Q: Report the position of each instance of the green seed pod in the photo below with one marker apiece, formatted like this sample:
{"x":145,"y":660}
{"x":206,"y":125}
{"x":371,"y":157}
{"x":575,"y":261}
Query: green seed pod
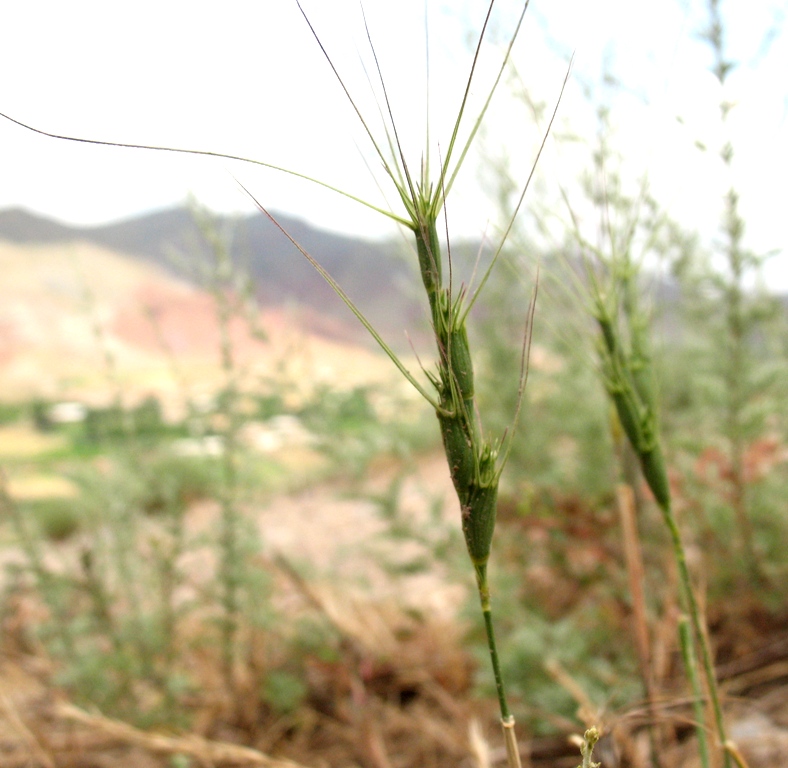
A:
{"x":638,"y":424}
{"x":655,"y":472}
{"x":480,"y":509}
{"x":626,"y":408}
{"x":608,"y":332}
{"x":638,"y":360}
{"x":442,"y":321}
{"x":643,"y":380}
{"x":478,"y":520}
{"x":459,"y":453}
{"x":640,"y":366}
{"x":428,"y":250}
{"x":460,"y":362}
{"x":456,"y":365}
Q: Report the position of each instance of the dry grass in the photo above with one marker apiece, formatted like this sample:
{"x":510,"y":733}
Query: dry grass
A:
{"x":23,"y":442}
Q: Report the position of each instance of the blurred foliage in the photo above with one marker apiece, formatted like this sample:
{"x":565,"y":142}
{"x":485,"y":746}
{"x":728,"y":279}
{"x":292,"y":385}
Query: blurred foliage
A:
{"x":354,"y":426}
{"x":130,"y":630}
{"x":562,"y":441}
{"x":57,"y":519}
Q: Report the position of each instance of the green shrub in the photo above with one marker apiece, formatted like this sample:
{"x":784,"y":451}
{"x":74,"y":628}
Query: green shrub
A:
{"x":57,"y":519}
{"x":284,"y":691}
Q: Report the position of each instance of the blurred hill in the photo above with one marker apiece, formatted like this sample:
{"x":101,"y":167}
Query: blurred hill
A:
{"x":76,"y":314}
{"x":375,"y":275}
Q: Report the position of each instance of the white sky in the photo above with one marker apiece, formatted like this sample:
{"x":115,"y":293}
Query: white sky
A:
{"x":248,"y":79}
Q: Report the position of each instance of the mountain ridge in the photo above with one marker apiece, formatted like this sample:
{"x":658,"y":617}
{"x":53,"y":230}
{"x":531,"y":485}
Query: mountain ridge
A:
{"x":374,"y":274}
{"x":78,"y":320}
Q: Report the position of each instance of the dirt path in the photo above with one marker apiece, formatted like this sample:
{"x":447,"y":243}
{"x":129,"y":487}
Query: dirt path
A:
{"x":339,"y":532}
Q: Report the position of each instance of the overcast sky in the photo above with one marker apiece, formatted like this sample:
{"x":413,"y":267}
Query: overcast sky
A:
{"x":247,"y":78}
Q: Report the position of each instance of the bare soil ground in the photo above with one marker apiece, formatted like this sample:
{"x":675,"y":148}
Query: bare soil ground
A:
{"x":401,"y":694}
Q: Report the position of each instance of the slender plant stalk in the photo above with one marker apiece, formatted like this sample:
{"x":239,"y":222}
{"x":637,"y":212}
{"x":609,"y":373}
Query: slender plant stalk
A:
{"x":507,"y":720}
{"x":124,"y":526}
{"x":484,"y":598}
{"x":169,"y":580}
{"x":218,"y":277}
{"x":737,"y":323}
{"x":737,"y":757}
{"x":230,"y":576}
{"x":699,"y":630}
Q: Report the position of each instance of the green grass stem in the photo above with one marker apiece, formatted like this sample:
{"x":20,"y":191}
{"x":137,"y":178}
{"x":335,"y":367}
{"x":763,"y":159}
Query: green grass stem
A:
{"x":627,"y":373}
{"x":691,"y":668}
{"x":484,"y":599}
{"x":701,"y":638}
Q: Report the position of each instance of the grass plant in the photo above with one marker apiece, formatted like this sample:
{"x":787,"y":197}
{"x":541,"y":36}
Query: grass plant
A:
{"x":628,"y":374}
{"x":738,"y":324}
{"x":219,"y":281}
{"x":475,"y":460}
